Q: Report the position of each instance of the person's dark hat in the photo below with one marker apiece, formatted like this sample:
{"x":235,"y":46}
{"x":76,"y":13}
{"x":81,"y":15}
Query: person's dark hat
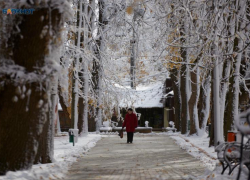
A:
{"x":130,"y":109}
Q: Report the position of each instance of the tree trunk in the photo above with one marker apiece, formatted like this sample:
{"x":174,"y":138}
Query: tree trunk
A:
{"x":193,"y":102}
{"x":204,"y":103}
{"x":46,"y":147}
{"x":75,"y":78}
{"x":95,"y":77}
{"x":80,"y":117}
{"x":75,"y":97}
{"x":91,"y":119}
{"x":82,"y":37}
{"x":232,"y":96}
{"x":24,"y":107}
{"x":230,"y":27}
{"x":223,"y":94}
{"x":177,"y":99}
{"x":183,"y":79}
{"x":99,"y":91}
{"x":211,"y":141}
{"x":89,"y":10}
{"x":184,"y":100}
{"x":216,"y":106}
{"x":234,"y":88}
{"x":215,"y":50}
{"x":83,"y":75}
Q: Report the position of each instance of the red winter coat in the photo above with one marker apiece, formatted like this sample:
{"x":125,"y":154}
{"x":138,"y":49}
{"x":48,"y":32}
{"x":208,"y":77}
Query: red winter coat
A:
{"x":130,"y":122}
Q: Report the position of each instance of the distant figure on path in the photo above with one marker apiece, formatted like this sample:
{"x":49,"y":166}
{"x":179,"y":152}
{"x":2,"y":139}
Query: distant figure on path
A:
{"x":130,"y":123}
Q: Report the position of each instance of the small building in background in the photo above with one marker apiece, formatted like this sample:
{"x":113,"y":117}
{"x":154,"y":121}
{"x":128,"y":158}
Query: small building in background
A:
{"x":147,"y":100}
{"x":154,"y":103}
{"x":65,"y":122}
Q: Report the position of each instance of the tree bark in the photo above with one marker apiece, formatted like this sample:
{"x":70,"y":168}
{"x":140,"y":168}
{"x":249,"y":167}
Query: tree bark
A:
{"x":211,"y":140}
{"x":100,"y":43}
{"x":204,"y":103}
{"x":24,"y":107}
{"x":184,"y":100}
{"x":193,"y":102}
{"x":183,"y":76}
{"x":177,"y":99}
{"x":234,"y":87}
{"x":80,"y":117}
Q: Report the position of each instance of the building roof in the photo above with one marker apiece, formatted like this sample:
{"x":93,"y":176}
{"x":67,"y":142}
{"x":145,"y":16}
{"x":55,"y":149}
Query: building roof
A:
{"x":144,"y":97}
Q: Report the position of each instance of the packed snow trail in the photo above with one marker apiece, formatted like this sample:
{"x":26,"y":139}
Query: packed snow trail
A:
{"x":149,"y":157}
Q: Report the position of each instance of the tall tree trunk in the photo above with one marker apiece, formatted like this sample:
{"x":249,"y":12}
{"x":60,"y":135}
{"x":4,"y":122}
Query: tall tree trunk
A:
{"x":233,"y":93}
{"x":86,"y":105}
{"x":24,"y":107}
{"x":95,"y":76}
{"x":93,"y":48}
{"x":224,"y":90}
{"x":230,"y":32}
{"x":193,"y":102}
{"x":91,"y":118}
{"x":211,"y":140}
{"x":218,"y":123}
{"x":75,"y":99}
{"x":89,"y":23}
{"x":174,"y":74}
{"x":80,"y":116}
{"x":75,"y":78}
{"x":234,"y":88}
{"x":102,"y":25}
{"x":184,"y":81}
{"x":216,"y":106}
{"x":204,"y":103}
{"x":46,"y":147}
{"x":82,"y":70}
{"x":184,"y":99}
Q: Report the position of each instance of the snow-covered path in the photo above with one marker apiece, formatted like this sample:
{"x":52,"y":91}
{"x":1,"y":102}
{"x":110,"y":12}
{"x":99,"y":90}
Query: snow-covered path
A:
{"x":149,"y":157}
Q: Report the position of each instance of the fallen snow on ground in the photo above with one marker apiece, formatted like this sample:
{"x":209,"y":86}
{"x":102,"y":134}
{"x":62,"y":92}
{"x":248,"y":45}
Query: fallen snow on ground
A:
{"x":110,"y":133}
{"x":199,"y":148}
{"x":216,"y":174}
{"x":65,"y":154}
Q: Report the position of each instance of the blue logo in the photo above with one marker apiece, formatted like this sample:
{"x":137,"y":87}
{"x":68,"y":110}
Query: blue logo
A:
{"x":18,"y":11}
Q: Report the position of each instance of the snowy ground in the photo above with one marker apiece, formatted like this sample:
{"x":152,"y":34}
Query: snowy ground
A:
{"x":194,"y":145}
{"x":65,"y":154}
{"x":198,"y":147}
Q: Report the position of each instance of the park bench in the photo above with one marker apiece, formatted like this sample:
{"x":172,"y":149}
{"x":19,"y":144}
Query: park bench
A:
{"x":234,"y":154}
{"x":243,"y":125}
{"x":229,"y":155}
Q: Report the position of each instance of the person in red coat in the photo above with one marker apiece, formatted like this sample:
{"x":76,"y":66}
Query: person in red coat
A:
{"x":130,"y":123}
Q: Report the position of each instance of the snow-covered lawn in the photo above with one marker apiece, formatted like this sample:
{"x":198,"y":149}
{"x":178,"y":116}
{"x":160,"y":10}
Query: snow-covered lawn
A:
{"x":65,"y":154}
